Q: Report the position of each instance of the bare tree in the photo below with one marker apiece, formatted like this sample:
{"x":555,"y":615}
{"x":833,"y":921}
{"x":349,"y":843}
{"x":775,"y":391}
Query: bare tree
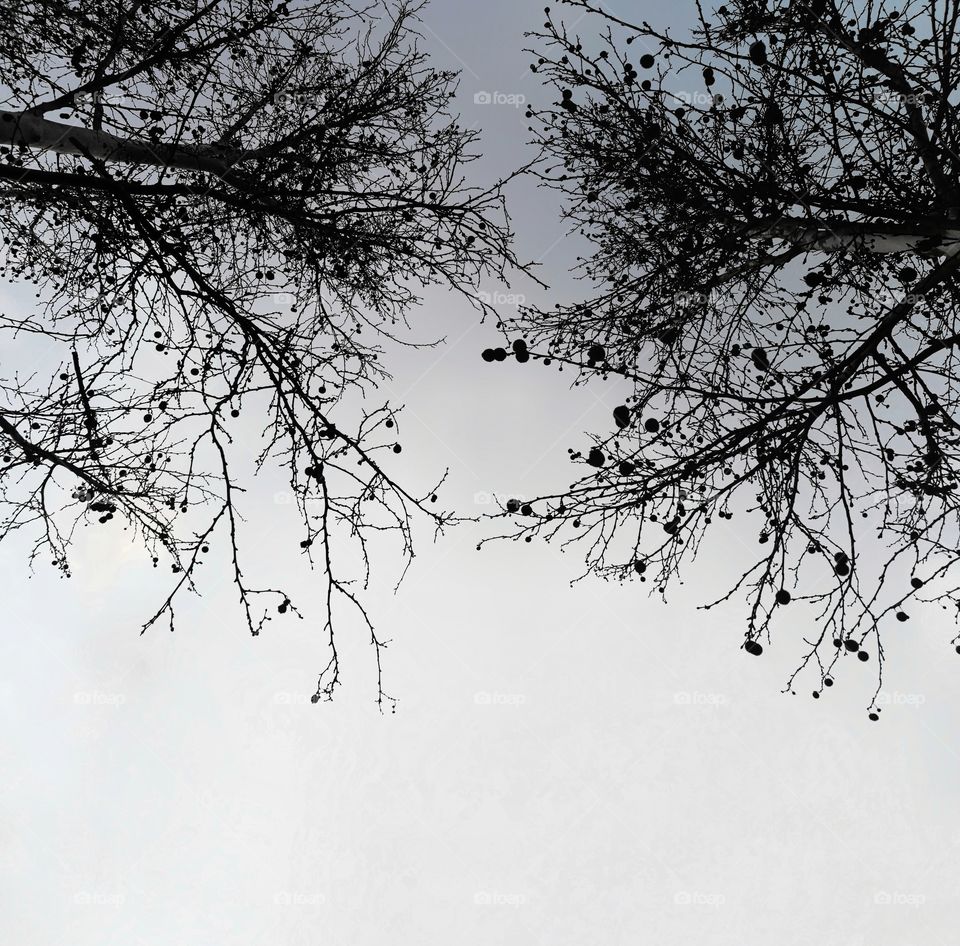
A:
{"x":225,"y":206}
{"x":772,"y":204}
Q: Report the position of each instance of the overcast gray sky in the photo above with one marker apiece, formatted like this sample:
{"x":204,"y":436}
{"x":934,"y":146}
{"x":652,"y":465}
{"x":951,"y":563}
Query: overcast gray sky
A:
{"x":567,"y":765}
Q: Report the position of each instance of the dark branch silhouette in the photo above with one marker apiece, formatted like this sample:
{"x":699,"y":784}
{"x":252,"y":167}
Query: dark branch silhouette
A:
{"x":225,"y":206}
{"x":772,"y":206}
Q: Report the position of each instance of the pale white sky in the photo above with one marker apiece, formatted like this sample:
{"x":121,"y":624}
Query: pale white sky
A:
{"x":567,"y":765}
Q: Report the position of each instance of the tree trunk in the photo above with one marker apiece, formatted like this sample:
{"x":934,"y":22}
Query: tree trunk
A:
{"x":41,"y":134}
{"x":924,"y":239}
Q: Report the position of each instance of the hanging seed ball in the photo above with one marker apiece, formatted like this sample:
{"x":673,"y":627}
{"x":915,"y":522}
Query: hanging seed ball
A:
{"x":783,"y":596}
{"x":758,"y":53}
{"x":851,"y":645}
{"x":647,"y":61}
{"x":903,"y":616}
{"x":863,"y":655}
{"x":753,"y":647}
{"x":874,"y":717}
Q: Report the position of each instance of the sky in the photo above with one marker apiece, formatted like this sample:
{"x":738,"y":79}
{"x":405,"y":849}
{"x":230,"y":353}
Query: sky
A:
{"x":567,"y":764}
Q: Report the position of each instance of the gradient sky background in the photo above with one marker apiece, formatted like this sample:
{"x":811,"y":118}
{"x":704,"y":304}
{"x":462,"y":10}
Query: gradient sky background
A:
{"x":567,"y":765}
